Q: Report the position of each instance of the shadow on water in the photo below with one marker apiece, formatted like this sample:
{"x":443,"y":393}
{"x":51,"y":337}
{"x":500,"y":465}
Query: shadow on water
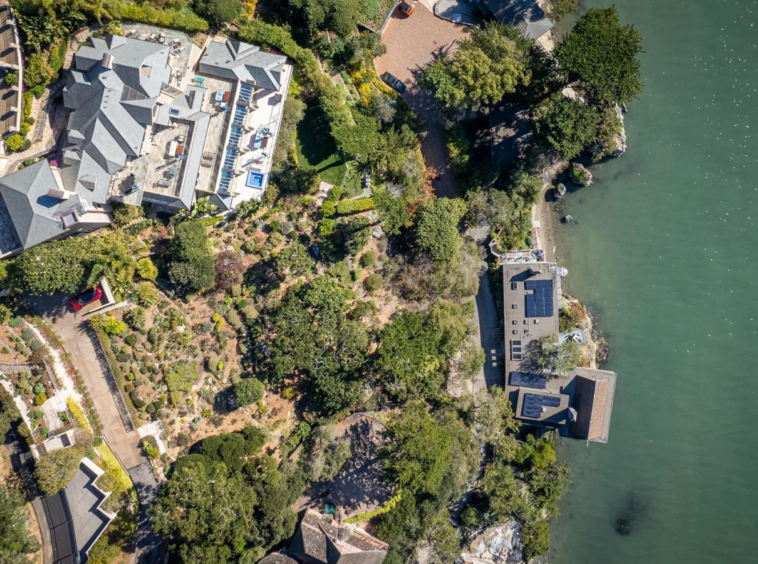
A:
{"x":629,"y":516}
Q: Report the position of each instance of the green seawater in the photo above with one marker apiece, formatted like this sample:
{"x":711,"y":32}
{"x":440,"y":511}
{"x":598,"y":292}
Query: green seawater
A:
{"x":665,"y":253}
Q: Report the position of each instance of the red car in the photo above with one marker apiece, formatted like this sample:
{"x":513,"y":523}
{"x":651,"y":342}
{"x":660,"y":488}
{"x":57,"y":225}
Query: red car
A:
{"x":88,"y":296}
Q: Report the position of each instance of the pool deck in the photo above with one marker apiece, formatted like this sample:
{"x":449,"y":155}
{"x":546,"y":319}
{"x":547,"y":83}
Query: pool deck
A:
{"x":268,"y":114}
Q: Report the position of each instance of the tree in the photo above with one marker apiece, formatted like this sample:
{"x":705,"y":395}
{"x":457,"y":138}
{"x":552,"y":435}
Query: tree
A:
{"x":229,"y":270}
{"x":380,"y":107}
{"x":602,"y":53}
{"x":97,"y":9}
{"x":8,"y":412}
{"x":559,"y":9}
{"x":502,"y":491}
{"x":217,"y":11}
{"x":308,"y":331}
{"x":295,"y":260}
{"x":444,"y":539}
{"x":57,"y":267}
{"x":559,"y":358}
{"x":417,"y":454}
{"x":524,"y":189}
{"x":437,"y":228}
{"x":356,"y":232}
{"x":15,"y":542}
{"x":489,"y":64}
{"x":359,"y":139}
{"x":494,"y":415}
{"x":373,"y":282}
{"x":566,"y":125}
{"x":191,"y":264}
{"x":536,"y":538}
{"x":393,"y":211}
{"x":491,"y":208}
{"x":55,"y":469}
{"x":248,"y":391}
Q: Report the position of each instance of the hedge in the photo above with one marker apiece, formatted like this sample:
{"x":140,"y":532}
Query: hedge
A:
{"x":111,"y":463}
{"x":176,"y":19}
{"x":386,"y":508}
{"x":353,"y":206}
{"x":78,"y":414}
{"x":58,"y":55}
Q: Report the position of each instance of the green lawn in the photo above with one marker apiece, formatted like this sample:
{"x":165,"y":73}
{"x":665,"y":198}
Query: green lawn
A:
{"x":315,"y":146}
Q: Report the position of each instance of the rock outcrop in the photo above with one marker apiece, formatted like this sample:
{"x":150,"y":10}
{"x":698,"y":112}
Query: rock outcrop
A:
{"x":496,"y":545}
{"x":580,"y":175}
{"x":559,"y":192}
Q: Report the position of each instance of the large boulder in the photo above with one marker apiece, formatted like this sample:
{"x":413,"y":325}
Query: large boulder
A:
{"x":580,"y":175}
{"x":560,"y":191}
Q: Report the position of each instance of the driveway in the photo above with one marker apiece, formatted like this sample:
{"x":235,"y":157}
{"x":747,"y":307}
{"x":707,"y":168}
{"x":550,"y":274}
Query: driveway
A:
{"x":80,"y":343}
{"x":412,"y":43}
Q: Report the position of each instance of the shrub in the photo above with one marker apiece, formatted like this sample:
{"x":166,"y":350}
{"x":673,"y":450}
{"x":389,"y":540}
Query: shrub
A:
{"x":5,"y":314}
{"x":35,"y":345}
{"x":37,"y":71}
{"x":233,"y":318}
{"x":11,"y":78}
{"x":15,"y":322}
{"x":354,"y":206}
{"x":326,"y":227}
{"x":39,"y":399}
{"x":328,"y":209}
{"x":146,"y":294}
{"x":276,"y":239}
{"x":113,"y":326}
{"x":14,"y":143}
{"x":131,"y":339}
{"x":250,"y":246}
{"x":368,"y":259}
{"x":373,"y":283}
{"x":25,"y":145}
{"x":27,"y":335}
{"x":248,"y":391}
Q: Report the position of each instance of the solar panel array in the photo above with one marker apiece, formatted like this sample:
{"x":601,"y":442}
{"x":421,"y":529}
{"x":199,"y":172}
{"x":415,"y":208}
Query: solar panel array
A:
{"x":529,"y":380}
{"x":539,"y":303}
{"x":533,"y":404}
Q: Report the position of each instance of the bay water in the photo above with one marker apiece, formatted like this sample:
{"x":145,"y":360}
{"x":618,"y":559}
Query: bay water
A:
{"x":664,"y":251}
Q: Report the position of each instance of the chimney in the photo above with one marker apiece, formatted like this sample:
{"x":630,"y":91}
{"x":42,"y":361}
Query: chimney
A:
{"x":107,"y":61}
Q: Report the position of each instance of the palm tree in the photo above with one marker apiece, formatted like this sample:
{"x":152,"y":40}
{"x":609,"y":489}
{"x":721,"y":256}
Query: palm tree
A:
{"x":97,"y":10}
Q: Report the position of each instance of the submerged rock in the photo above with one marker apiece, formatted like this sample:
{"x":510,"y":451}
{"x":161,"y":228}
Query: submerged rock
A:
{"x":580,"y":175}
{"x":568,"y":219}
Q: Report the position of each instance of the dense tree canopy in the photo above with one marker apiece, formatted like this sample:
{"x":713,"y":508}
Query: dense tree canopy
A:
{"x":567,"y":125}
{"x":489,"y":64}
{"x":418,"y":455}
{"x":339,"y":16}
{"x":602,"y":53}
{"x":312,"y":333}
{"x":192,"y":266}
{"x":217,"y":11}
{"x":437,"y":228}
{"x":15,"y":543}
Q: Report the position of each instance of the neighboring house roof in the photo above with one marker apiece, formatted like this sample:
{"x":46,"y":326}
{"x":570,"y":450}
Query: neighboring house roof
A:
{"x":236,"y":60}
{"x":526,"y":15}
{"x":319,"y":540}
{"x":277,"y":558}
{"x":33,"y":213}
{"x":595,"y":390}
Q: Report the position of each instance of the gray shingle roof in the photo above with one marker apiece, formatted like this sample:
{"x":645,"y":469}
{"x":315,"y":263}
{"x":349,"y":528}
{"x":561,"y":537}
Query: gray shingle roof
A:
{"x":31,"y":210}
{"x":526,"y":15}
{"x":235,"y":60}
{"x":8,"y":237}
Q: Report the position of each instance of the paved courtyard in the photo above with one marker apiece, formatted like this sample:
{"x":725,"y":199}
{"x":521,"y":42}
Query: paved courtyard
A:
{"x":412,"y":43}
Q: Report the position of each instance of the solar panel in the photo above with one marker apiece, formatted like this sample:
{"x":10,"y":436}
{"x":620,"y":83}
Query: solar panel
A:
{"x":533,"y":404}
{"x":528,"y":380}
{"x":539,"y":303}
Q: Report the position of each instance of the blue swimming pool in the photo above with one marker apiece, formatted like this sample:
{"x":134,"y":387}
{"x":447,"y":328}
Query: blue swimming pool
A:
{"x":254,"y":179}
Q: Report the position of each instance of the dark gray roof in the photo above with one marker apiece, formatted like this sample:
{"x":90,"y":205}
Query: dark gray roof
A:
{"x":8,"y":237}
{"x":32,"y":212}
{"x":235,"y":60}
{"x":526,"y":15}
